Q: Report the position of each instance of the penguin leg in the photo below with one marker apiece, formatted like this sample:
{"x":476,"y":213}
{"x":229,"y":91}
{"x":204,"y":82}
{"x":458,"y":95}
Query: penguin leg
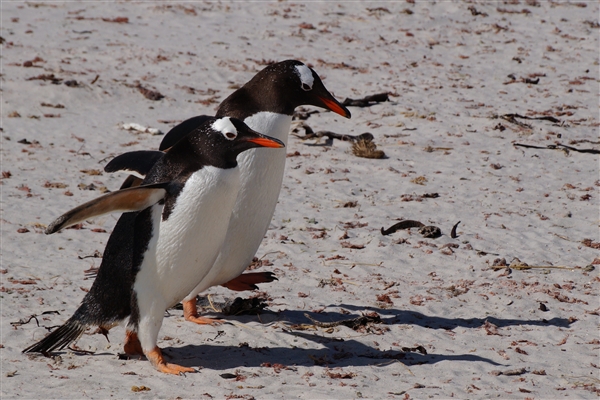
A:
{"x":190,"y":313}
{"x":248,"y":281}
{"x":152,"y":313}
{"x":132,"y":345}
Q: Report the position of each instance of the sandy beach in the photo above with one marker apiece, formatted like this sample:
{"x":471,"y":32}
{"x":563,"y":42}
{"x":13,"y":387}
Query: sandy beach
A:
{"x":492,"y":121}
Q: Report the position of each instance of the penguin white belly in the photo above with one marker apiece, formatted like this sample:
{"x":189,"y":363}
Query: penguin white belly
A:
{"x":261,"y":175}
{"x":184,"y":247}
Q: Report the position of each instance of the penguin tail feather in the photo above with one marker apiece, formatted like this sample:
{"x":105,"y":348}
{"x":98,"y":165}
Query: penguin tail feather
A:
{"x":59,"y":338}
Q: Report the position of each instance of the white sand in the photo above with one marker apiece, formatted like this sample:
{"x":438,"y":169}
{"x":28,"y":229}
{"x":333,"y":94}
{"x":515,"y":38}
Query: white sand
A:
{"x":447,"y":70}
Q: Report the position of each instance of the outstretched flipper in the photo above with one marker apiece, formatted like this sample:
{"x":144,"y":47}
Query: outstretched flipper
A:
{"x":126,"y":200}
{"x":182,"y":130}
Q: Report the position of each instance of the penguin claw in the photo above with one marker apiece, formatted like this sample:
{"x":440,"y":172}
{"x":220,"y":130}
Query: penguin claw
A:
{"x":184,"y":373}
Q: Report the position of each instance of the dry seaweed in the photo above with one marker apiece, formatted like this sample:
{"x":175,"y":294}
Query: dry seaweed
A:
{"x":406,"y":224}
{"x":353,"y":323}
{"x":237,"y":306}
{"x":366,"y":149}
{"x":428,"y":231}
{"x":309,"y":133}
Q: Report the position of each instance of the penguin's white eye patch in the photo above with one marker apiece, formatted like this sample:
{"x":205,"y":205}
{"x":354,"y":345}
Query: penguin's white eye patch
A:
{"x":226,"y":127}
{"x":306,"y":77}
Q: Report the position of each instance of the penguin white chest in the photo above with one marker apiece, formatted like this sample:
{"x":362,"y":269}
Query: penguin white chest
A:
{"x":261,"y":174}
{"x":191,"y":236}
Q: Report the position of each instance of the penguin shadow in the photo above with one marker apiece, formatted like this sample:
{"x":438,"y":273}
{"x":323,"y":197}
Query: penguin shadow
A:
{"x":406,"y":317}
{"x":332,"y":351}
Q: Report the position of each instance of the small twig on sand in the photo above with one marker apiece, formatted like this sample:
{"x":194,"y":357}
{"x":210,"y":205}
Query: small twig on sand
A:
{"x":23,"y":322}
{"x":558,"y":146}
{"x":406,"y":224}
{"x":367,"y":101}
{"x":525,"y":266}
{"x":34,"y":316}
{"x":545,"y":117}
{"x":428,"y":231}
{"x":310,"y":134}
{"x":453,"y":232}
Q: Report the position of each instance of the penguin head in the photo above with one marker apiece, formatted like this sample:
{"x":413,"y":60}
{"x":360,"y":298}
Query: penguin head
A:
{"x":281,"y":87}
{"x":306,"y":88}
{"x":221,"y":140}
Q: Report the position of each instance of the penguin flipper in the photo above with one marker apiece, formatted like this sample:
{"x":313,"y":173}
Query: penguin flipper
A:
{"x":182,"y":130}
{"x":137,"y":163}
{"x":126,"y":200}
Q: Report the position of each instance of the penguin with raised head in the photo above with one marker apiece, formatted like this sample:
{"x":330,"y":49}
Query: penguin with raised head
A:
{"x":167,"y":243}
{"x":266,"y":104}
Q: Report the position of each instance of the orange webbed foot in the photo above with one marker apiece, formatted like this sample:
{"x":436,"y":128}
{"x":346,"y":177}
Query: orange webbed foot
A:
{"x":204,"y":320}
{"x":248,"y":281}
{"x":158,"y":361}
{"x":190,"y":313}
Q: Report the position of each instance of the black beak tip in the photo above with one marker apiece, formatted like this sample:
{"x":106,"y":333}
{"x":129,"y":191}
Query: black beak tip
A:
{"x":348,"y":114}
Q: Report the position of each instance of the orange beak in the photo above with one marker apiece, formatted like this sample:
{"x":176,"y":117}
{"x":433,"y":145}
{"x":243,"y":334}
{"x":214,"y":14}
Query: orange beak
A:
{"x":336,"y":107}
{"x":267,"y":142}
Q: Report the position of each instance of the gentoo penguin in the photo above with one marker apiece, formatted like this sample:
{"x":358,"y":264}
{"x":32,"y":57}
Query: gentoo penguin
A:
{"x":178,"y":221}
{"x":266,"y":104}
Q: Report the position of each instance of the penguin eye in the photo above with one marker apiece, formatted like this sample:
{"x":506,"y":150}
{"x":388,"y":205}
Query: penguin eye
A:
{"x":306,"y":87}
{"x":230,"y":135}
